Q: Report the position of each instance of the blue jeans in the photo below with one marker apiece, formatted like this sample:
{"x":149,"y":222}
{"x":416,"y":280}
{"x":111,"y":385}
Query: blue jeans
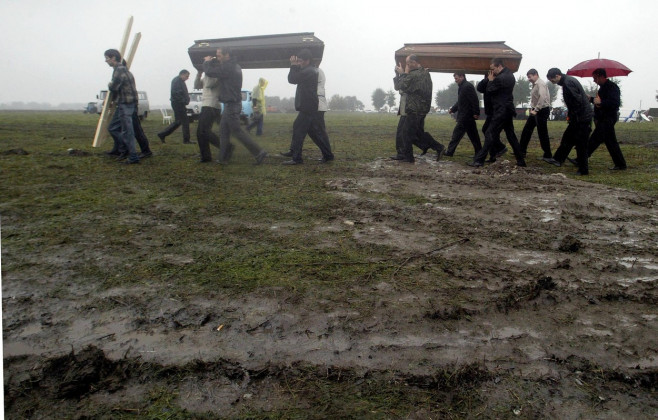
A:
{"x":125,"y":112}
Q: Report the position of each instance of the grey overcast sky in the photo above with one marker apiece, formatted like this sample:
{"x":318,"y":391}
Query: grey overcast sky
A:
{"x":52,"y":51}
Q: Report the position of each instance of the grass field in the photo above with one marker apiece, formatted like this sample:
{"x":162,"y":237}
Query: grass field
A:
{"x":77,"y":228}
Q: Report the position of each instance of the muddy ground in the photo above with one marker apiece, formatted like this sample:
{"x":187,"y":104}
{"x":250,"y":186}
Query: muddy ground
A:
{"x":536,"y":298}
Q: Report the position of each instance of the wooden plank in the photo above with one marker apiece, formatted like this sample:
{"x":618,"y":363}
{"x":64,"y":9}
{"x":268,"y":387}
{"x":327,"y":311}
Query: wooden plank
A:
{"x":108,"y":108}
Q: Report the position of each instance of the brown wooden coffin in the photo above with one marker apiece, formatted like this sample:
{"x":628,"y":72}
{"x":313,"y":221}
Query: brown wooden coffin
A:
{"x":259,"y":52}
{"x":468,"y":57}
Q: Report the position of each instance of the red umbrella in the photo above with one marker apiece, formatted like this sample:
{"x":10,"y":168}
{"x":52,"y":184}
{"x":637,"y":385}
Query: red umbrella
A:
{"x":612,"y":68}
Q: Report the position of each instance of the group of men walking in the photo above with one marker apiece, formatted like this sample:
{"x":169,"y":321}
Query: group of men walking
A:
{"x":221,"y":84}
{"x":415,"y":87}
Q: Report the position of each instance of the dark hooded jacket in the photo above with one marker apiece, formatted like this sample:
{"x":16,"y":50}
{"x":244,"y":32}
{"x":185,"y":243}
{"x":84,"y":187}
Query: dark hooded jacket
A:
{"x":575,"y":99}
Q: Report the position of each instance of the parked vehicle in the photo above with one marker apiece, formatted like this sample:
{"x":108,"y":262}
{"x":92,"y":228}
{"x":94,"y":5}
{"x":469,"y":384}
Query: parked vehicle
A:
{"x":91,"y":108}
{"x":194,"y":107}
{"x":143,"y":107}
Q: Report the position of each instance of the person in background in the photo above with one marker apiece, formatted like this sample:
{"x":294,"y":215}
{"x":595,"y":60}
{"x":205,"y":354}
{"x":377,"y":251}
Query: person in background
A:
{"x":498,"y":149}
{"x":179,"y":100}
{"x":606,"y":114}
{"x":259,"y":106}
{"x":318,"y":130}
{"x":500,"y":87}
{"x":306,"y":77}
{"x":226,"y":68}
{"x":124,"y":90}
{"x":210,"y":113}
{"x":415,"y":82}
{"x":540,"y":109}
{"x":580,"y":120}
{"x":468,"y":111}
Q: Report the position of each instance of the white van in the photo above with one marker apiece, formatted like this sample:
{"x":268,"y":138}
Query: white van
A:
{"x":143,"y":107}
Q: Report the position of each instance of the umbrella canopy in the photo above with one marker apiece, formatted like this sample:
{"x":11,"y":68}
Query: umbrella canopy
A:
{"x":612,"y":68}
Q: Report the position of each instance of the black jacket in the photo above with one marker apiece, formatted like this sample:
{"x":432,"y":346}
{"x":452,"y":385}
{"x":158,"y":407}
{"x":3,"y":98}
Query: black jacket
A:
{"x":229,"y":75}
{"x":500,"y":90}
{"x":482,"y":88}
{"x":468,"y":103}
{"x":575,"y":99}
{"x":610,"y":101}
{"x":306,"y":95}
{"x":179,"y":92}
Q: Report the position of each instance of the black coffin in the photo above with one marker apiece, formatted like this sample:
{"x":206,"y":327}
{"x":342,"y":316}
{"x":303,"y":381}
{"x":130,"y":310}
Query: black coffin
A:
{"x":259,"y":52}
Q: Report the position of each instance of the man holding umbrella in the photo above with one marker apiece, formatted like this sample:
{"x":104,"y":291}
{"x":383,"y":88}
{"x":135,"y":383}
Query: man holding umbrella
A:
{"x":606,"y":108}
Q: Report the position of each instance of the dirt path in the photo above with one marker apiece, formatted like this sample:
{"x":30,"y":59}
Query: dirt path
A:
{"x":536,"y":291}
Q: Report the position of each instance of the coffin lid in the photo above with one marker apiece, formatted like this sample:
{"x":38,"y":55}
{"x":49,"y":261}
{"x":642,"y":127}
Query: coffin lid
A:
{"x":469,"y":57}
{"x":259,"y":51}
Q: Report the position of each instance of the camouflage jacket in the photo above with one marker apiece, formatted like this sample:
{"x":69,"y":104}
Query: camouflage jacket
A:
{"x":417,"y":85}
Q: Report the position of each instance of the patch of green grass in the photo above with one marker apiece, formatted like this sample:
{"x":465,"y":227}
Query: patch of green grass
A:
{"x":236,"y":227}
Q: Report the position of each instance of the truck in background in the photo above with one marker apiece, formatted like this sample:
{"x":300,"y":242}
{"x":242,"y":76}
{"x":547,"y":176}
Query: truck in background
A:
{"x":143,"y":107}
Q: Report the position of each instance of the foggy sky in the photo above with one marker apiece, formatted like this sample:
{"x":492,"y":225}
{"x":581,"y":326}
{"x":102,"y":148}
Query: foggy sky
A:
{"x":52,"y":51}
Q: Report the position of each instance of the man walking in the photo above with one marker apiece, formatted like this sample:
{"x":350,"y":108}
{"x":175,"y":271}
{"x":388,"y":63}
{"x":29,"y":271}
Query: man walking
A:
{"x":540,"y":109}
{"x":580,"y":120}
{"x":305,"y":76}
{"x":416,"y":83}
{"x":179,"y":100}
{"x":210,"y":112}
{"x":228,"y":71}
{"x":124,"y":90}
{"x":468,"y":110}
{"x":500,"y":87}
{"x":606,"y":109}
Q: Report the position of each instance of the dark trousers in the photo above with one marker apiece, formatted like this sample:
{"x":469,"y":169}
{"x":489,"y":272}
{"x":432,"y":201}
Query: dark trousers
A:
{"x":205,"y":136}
{"x":576,"y":135}
{"x":180,"y":119}
{"x":300,"y":128}
{"x":604,"y":132}
{"x":498,"y":123}
{"x":466,"y":126}
{"x":230,"y":125}
{"x":115,"y":131}
{"x":318,"y":133}
{"x":399,"y":136}
{"x":414,"y":127}
{"x":498,"y":146}
{"x":540,"y":121}
{"x":257,"y":122}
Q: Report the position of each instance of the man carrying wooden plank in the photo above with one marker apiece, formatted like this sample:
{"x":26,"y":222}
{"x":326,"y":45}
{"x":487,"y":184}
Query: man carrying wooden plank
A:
{"x":124,"y":91}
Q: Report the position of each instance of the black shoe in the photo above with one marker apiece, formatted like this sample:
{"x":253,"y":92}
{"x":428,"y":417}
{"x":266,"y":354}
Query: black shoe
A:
{"x":521,"y":163}
{"x":492,"y":159}
{"x":475,"y":164}
{"x":326,"y":159}
{"x":581,"y":173}
{"x":261,"y":157}
{"x":286,"y":154}
{"x":162,"y":137}
{"x":439,"y":151}
{"x":291,"y":162}
{"x":617,"y":168}
{"x":448,"y":154}
{"x":122,"y":156}
{"x":574,"y":162}
{"x":205,"y":160}
{"x":144,"y":155}
{"x":397,"y":157}
{"x":501,"y":152}
{"x":112,"y":153}
{"x":552,"y":161}
{"x":424,"y":152}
